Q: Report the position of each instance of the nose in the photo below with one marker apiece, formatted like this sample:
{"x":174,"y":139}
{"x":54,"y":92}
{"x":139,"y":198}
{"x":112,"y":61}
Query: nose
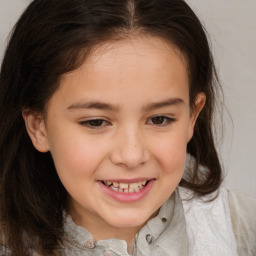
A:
{"x":129,"y":149}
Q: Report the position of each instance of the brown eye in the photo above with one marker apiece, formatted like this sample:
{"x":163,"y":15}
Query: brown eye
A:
{"x":158,"y":120}
{"x":94,"y":123}
{"x":161,"y":120}
{"x":97,"y":122}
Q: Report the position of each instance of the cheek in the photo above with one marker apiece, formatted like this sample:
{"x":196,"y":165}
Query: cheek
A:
{"x":75,"y":155}
{"x":171,"y":153}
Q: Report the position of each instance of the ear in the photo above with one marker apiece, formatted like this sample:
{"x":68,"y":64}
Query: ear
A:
{"x":35,"y":126}
{"x":198,"y":106}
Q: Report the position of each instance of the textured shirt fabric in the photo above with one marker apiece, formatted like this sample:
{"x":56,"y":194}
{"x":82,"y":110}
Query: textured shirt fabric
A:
{"x":167,"y":228}
{"x":223,"y":226}
{"x":209,"y":226}
{"x":243,"y":217}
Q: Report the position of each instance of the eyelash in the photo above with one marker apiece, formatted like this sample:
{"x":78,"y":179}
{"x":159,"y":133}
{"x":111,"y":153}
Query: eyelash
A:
{"x":167,"y":120}
{"x":88,"y":124}
{"x":102,"y":123}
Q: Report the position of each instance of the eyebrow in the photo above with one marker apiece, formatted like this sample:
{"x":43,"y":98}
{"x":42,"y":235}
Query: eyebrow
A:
{"x":161,"y":104}
{"x":93,"y":105}
{"x":105,"y":106}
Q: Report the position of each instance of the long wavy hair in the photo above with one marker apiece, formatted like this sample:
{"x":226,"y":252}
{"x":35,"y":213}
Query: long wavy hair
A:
{"x":51,"y":38}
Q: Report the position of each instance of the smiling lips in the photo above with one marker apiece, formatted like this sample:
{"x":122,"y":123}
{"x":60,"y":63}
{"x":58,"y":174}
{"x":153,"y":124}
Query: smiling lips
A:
{"x":127,"y":191}
{"x":126,"y":187}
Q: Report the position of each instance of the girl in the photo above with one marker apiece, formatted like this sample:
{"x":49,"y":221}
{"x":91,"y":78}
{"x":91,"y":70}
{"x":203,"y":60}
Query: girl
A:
{"x":106,"y":143}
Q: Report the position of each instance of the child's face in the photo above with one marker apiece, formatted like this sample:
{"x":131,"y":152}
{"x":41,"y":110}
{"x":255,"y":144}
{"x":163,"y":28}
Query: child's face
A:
{"x":122,"y":117}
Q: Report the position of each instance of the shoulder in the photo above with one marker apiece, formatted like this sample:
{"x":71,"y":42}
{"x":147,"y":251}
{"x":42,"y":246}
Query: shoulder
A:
{"x":226,"y":212}
{"x":208,"y":223}
{"x":241,"y":203}
{"x":243,"y":217}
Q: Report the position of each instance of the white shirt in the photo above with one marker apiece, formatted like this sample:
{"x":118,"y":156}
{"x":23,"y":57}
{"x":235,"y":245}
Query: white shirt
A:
{"x":225,"y":226}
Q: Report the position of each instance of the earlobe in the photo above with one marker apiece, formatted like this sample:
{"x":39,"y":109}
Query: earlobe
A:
{"x":198,"y":106}
{"x":35,"y":126}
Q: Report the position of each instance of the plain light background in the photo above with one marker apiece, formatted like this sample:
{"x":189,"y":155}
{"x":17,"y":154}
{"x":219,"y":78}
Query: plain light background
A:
{"x":231,"y":25}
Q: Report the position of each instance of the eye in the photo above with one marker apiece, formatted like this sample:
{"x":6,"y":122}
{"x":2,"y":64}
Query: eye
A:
{"x":94,"y":123}
{"x":161,"y":120}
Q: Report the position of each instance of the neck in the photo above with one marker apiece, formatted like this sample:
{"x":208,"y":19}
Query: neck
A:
{"x":101,"y":230}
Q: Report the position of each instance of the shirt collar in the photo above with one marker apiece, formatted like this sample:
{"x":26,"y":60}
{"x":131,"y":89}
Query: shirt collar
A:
{"x":163,"y":230}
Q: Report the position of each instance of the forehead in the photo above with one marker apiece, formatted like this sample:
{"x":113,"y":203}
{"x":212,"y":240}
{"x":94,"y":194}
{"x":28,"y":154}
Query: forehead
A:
{"x":132,"y":48}
{"x":146,"y":65}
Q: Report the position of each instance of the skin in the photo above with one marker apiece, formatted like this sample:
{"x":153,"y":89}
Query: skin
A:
{"x":130,"y":76}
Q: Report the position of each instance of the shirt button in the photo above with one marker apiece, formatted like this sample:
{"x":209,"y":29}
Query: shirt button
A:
{"x":149,"y":238}
{"x":108,"y":253}
{"x":164,"y":220}
{"x":90,"y":244}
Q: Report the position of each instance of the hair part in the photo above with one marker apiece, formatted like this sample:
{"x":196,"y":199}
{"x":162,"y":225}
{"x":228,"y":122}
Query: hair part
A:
{"x":53,"y":38}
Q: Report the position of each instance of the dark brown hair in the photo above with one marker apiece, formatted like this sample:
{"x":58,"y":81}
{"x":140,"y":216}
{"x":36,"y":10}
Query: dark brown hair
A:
{"x":51,"y":38}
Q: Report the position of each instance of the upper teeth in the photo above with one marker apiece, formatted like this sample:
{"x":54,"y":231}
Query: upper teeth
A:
{"x":126,"y":187}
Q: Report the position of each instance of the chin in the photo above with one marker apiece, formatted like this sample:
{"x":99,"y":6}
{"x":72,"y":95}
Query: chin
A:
{"x":128,"y":221}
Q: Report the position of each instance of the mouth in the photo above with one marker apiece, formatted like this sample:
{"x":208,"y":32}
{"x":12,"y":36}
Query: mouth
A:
{"x":122,"y":187}
{"x":127,"y":190}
